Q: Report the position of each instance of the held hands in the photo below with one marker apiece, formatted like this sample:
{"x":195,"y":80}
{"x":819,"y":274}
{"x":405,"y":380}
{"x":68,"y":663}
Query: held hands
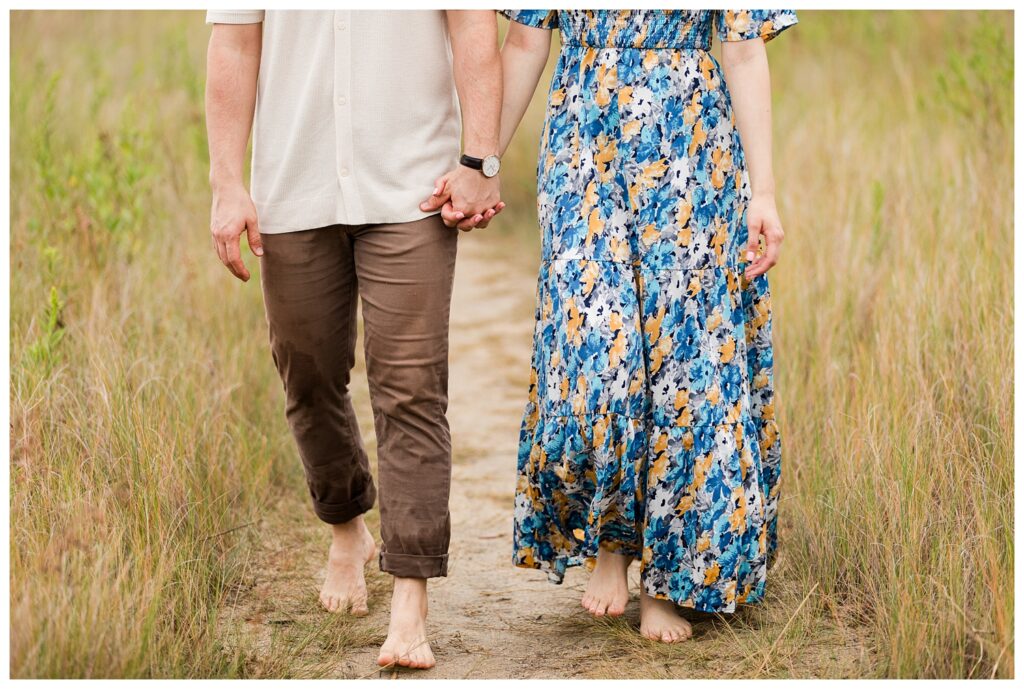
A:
{"x":762,"y":221}
{"x":232,"y":214}
{"x":467,"y":199}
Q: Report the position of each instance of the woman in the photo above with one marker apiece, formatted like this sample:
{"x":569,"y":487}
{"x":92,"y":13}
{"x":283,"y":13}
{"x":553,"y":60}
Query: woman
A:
{"x":650,"y":431}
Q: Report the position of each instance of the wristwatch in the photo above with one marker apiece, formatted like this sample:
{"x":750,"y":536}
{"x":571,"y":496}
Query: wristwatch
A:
{"x":489,"y":166}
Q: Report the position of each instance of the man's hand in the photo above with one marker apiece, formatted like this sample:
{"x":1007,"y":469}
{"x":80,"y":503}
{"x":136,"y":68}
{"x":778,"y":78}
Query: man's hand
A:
{"x":467,"y":199}
{"x":232,"y":214}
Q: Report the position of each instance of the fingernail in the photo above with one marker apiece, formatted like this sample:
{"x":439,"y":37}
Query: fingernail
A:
{"x":259,"y":251}
{"x":436,"y":191}
{"x":750,"y":255}
{"x":460,"y":215}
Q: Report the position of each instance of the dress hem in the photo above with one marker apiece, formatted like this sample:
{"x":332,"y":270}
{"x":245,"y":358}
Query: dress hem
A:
{"x":556,"y":578}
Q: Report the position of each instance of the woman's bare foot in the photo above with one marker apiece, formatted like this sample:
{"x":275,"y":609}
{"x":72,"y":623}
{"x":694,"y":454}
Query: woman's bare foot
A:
{"x":407,"y":644}
{"x":659,"y":621}
{"x":344,"y":586}
{"x":608,"y":590}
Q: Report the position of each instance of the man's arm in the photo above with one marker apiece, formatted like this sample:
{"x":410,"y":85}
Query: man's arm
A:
{"x":477,"y":69}
{"x":232,"y":68}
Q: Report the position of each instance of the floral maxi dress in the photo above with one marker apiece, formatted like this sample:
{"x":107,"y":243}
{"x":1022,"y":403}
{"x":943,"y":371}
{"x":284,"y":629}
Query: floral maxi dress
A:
{"x":650,"y":427}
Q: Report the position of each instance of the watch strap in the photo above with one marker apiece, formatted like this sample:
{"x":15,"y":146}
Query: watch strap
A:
{"x":471,"y":162}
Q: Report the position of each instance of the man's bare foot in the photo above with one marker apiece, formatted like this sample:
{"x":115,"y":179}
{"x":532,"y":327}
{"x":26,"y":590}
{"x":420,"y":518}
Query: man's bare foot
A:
{"x":608,"y":590}
{"x":407,"y":644}
{"x":344,"y":586}
{"x":659,"y":621}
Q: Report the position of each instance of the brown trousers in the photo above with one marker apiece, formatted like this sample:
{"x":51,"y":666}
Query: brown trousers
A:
{"x":403,"y":274}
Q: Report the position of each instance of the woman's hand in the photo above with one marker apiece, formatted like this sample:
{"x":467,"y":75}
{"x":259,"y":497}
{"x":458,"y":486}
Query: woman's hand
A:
{"x":763,"y":221}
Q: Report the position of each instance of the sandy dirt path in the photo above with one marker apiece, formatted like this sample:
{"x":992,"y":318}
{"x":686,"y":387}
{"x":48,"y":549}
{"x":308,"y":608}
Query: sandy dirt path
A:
{"x":487,"y":618}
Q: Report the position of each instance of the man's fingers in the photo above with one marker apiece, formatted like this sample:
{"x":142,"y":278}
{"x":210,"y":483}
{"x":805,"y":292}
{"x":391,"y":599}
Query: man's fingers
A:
{"x":252,"y":230}
{"x":234,"y":256}
{"x":218,"y":246}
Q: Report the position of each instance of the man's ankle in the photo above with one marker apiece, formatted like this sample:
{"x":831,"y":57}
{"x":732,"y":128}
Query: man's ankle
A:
{"x":409,"y":590}
{"x":411,"y":585}
{"x":351,"y":527}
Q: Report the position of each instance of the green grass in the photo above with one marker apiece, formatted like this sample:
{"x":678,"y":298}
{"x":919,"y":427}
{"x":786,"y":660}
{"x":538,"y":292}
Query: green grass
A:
{"x":146,"y":431}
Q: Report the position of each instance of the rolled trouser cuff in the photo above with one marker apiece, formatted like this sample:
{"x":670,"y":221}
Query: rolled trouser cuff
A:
{"x":339,"y":513}
{"x":414,"y":566}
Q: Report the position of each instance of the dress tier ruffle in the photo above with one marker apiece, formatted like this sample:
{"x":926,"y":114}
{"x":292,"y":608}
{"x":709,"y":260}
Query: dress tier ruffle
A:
{"x":689,"y":489}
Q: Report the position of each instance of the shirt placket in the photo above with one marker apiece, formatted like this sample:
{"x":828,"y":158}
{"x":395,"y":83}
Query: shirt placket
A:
{"x":351,"y":206}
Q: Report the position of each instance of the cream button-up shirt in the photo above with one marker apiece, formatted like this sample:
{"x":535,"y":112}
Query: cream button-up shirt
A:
{"x":356,"y":115}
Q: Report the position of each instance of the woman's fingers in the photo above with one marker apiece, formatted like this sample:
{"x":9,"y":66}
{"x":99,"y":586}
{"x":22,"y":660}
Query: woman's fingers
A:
{"x":773,"y":247}
{"x":753,"y":239}
{"x":470,"y":222}
{"x":439,"y":196}
{"x":450,"y":216}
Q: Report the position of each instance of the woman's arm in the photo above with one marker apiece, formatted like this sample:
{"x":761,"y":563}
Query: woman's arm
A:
{"x":746,"y":71}
{"x":523,"y":56}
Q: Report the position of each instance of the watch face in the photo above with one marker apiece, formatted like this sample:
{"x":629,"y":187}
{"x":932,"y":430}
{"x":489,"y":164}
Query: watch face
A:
{"x":491,"y":166}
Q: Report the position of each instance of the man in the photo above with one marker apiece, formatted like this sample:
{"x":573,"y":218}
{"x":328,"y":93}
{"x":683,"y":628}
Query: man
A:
{"x":354,"y":115}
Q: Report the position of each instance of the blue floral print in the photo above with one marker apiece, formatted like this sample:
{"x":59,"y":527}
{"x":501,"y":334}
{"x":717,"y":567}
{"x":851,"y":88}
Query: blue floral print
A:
{"x":650,"y":427}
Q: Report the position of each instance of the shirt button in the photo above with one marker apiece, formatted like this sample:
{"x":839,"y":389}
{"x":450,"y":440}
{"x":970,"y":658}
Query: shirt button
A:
{"x":340,"y":26}
{"x":342,"y":100}
{"x":344,"y":172}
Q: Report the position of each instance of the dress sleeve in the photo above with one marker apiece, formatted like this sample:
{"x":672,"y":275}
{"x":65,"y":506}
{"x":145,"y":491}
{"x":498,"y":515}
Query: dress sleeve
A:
{"x":234,"y":16}
{"x":743,"y":25}
{"x":538,"y":19}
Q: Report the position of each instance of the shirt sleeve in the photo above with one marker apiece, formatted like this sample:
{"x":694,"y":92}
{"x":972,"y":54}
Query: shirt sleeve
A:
{"x":538,"y":19}
{"x":234,"y":16}
{"x":743,"y":25}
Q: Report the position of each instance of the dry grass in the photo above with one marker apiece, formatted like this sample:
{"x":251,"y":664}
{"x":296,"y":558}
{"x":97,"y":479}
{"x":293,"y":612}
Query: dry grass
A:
{"x":145,"y":418}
